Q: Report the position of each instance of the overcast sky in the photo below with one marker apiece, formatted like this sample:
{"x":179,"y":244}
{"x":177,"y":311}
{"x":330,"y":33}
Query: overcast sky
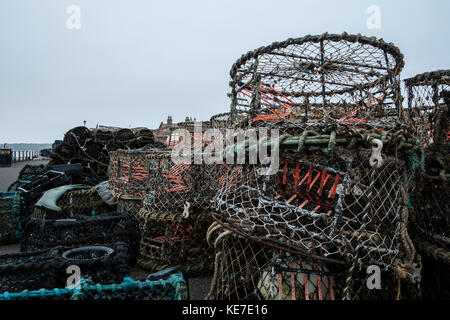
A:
{"x":134,"y":62}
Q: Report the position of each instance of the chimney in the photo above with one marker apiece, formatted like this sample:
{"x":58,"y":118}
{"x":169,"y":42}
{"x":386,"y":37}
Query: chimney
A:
{"x":169,"y":121}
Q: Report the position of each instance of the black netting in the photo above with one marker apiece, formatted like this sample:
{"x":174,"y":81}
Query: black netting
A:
{"x":47,"y":268}
{"x":82,"y":231}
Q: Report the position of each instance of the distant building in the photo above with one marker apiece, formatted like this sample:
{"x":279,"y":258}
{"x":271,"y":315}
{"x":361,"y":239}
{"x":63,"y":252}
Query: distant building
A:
{"x":164,"y":132}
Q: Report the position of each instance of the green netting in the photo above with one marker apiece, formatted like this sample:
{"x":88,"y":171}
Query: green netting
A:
{"x":172,"y":288}
{"x":12,"y":217}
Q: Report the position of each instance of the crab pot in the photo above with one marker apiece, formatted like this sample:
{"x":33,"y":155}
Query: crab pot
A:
{"x":129,"y":172}
{"x":328,"y":197}
{"x":428,"y":100}
{"x":90,"y":148}
{"x":221,"y":121}
{"x":428,"y":106}
{"x":26,"y":174}
{"x":13,"y":217}
{"x":430,"y":216}
{"x":249,"y":270}
{"x":332,"y":78}
{"x":103,"y":135}
{"x":82,"y":231}
{"x":430,"y":231}
{"x":35,"y":188}
{"x":169,"y":240}
{"x":71,"y":201}
{"x":177,"y":188}
{"x":166,"y":285}
{"x":47,"y":269}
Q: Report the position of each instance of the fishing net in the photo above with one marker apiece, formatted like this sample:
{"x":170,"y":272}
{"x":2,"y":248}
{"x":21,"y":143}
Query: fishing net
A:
{"x":326,"y":78}
{"x":167,"y":285}
{"x":47,"y":269}
{"x":82,"y":231}
{"x":13,"y":217}
{"x":169,"y":240}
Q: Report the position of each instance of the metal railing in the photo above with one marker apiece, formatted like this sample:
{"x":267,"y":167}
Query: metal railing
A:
{"x":19,"y":156}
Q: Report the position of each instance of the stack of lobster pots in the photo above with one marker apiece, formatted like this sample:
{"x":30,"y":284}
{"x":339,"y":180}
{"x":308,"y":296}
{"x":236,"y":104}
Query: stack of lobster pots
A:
{"x":428,"y":96}
{"x":324,"y":213}
{"x":171,"y":200}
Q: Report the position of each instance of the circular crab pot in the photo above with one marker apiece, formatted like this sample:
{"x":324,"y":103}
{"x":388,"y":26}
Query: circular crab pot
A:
{"x":312,"y":78}
{"x":88,"y":253}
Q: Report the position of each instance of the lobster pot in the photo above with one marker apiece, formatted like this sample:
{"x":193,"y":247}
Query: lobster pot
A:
{"x":431,"y":220}
{"x":47,"y":269}
{"x":167,"y":285}
{"x":71,"y":200}
{"x":428,"y":100}
{"x":12,"y":217}
{"x":129,"y":172}
{"x":430,"y":228}
{"x":191,"y":125}
{"x":91,"y":148}
{"x":26,"y":175}
{"x":332,"y":78}
{"x":179,"y":187}
{"x":248,"y":270}
{"x":169,"y":240}
{"x":328,"y":202}
{"x":81,"y":231}
{"x":221,"y":121}
{"x":163,"y":185}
